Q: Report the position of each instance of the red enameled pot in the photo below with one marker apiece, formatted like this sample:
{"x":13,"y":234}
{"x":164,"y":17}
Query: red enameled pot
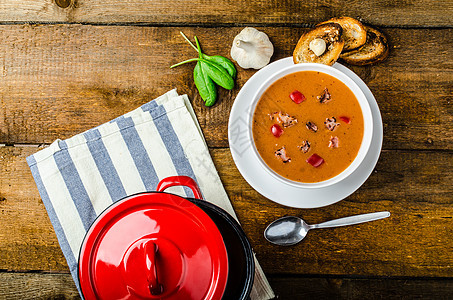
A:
{"x":158,"y":245}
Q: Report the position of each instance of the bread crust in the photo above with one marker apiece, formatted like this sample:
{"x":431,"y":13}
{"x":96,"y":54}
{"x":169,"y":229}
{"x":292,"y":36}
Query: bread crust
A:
{"x":331,"y":34}
{"x":374,"y":50}
{"x":354,"y":33}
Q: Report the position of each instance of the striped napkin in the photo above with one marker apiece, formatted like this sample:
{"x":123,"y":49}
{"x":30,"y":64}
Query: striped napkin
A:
{"x":79,"y":177}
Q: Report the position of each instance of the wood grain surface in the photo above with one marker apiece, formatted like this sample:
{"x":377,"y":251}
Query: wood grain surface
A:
{"x":60,"y":80}
{"x":275,"y":12}
{"x":61,"y":286}
{"x":38,"y":286}
{"x":412,"y":242}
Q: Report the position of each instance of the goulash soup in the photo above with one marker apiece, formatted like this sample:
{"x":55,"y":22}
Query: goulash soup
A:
{"x":308,"y":126}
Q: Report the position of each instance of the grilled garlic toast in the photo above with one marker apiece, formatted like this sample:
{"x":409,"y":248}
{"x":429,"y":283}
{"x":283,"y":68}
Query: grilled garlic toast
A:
{"x":354,"y":33}
{"x":374,"y":50}
{"x":323,"y":44}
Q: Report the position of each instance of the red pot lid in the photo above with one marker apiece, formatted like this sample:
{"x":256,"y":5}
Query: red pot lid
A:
{"x":156,"y":246}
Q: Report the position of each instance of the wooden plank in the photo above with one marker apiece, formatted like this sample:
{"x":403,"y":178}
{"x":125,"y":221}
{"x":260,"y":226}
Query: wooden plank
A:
{"x":37,"y":286}
{"x":297,"y":13}
{"x":60,"y":80}
{"x":61,"y":286}
{"x":27,"y":236}
{"x":415,"y":186}
{"x":360,"y":288}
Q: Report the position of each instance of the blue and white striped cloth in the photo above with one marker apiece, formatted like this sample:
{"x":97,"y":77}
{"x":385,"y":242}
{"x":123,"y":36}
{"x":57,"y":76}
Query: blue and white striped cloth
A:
{"x":79,"y":177}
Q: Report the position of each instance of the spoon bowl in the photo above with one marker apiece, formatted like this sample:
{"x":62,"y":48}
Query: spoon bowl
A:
{"x":290,"y":230}
{"x":286,"y":231}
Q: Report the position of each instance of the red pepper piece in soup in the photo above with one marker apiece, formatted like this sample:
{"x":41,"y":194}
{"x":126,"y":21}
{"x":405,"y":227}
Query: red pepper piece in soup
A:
{"x":276,"y":130}
{"x":297,"y":97}
{"x":345,"y":119}
{"x":315,"y":160}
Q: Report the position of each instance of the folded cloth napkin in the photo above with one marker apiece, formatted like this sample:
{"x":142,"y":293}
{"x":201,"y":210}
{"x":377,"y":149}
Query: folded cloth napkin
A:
{"x":79,"y":177}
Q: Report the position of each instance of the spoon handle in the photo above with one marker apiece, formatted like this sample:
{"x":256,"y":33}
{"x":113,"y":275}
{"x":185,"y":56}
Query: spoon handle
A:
{"x":353,"y":220}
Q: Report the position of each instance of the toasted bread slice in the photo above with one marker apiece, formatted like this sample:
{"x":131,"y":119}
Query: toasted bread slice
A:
{"x":354,"y":33}
{"x":375,"y":49}
{"x":330,"y":33}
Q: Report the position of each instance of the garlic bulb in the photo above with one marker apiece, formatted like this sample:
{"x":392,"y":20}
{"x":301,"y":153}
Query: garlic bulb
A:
{"x":252,"y":49}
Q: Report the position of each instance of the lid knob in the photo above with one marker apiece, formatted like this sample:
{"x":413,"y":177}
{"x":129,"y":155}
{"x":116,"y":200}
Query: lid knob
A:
{"x":155,"y":288}
{"x":153,"y":268}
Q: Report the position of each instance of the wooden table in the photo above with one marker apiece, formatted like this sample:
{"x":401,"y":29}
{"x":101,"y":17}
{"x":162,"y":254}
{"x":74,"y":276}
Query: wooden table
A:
{"x":70,"y":65}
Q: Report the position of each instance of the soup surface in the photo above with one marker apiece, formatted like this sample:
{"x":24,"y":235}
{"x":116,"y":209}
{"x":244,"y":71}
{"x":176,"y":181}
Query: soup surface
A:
{"x":308,"y":126}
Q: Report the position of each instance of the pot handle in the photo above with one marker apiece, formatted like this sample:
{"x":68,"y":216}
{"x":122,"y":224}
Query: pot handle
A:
{"x":180,"y":180}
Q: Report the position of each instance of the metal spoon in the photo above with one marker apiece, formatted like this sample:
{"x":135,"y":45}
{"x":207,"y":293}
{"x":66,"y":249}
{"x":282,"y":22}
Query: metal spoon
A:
{"x":290,"y":230}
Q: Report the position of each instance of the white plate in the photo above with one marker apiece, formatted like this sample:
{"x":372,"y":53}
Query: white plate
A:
{"x":280,"y":192}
